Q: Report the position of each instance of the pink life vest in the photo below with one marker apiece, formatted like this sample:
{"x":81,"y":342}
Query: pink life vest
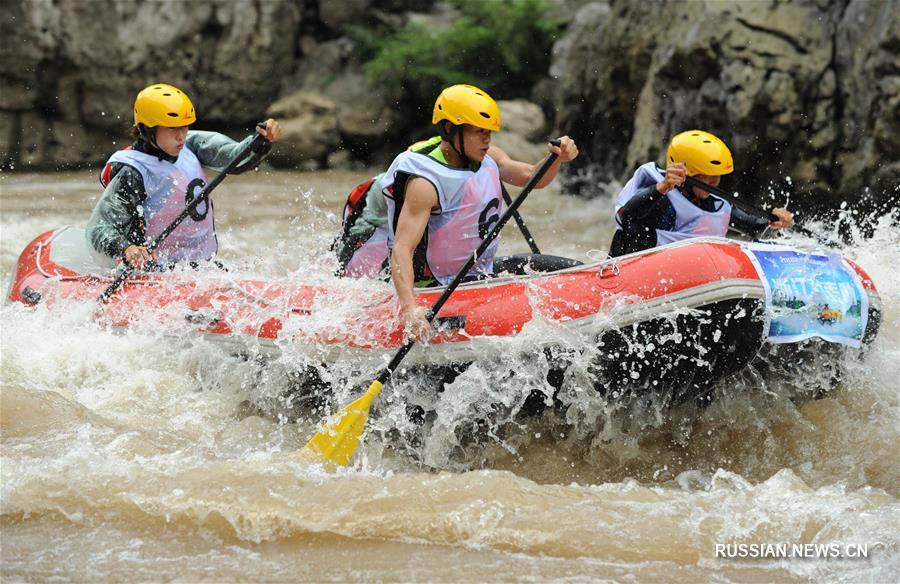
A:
{"x":469,"y":203}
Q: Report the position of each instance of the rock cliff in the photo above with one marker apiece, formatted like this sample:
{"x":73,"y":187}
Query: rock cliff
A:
{"x":803,"y":89}
{"x":807,"y":89}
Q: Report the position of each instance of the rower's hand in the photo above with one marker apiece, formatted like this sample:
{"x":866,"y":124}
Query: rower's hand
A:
{"x":675,"y":174}
{"x":137,"y":256}
{"x":271,"y":131}
{"x":567,"y":150}
{"x":416,"y":325}
{"x":785,"y":219}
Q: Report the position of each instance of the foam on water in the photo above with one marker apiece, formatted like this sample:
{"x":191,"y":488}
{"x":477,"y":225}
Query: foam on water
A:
{"x":151,"y":447}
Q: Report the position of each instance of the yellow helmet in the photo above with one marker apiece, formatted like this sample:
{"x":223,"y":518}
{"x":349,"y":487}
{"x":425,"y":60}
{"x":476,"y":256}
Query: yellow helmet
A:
{"x":161,"y":104}
{"x":466,"y":104}
{"x":701,"y":152}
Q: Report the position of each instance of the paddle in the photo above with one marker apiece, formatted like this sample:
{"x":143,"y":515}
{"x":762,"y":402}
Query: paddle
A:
{"x":520,"y":222}
{"x":128,"y":269}
{"x":720,"y":192}
{"x":338,"y":440}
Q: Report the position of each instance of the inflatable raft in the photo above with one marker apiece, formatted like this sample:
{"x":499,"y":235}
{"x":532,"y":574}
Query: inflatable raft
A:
{"x":680,"y":316}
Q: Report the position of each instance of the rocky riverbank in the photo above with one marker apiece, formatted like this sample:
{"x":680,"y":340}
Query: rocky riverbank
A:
{"x":805,"y":89}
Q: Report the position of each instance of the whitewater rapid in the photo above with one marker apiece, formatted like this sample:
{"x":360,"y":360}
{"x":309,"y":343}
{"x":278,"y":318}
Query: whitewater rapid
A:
{"x":139,"y":455}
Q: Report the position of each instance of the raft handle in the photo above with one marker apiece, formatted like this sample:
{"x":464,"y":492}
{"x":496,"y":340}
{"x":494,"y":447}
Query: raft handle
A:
{"x":450,"y":323}
{"x":611,"y":264}
{"x":30,"y":295}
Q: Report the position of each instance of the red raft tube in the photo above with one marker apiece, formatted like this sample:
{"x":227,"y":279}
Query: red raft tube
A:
{"x":682,"y":316}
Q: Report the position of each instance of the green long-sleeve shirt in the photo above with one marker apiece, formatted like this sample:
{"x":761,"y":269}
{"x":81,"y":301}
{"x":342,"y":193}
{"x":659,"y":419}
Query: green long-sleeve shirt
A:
{"x":117,"y":220}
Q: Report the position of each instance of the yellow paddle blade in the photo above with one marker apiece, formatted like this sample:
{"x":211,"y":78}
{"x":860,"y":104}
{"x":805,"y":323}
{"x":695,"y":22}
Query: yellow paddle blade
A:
{"x":338,"y":440}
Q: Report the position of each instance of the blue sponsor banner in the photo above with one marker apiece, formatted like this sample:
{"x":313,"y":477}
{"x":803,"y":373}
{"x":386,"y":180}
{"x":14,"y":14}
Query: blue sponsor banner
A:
{"x":810,"y":295}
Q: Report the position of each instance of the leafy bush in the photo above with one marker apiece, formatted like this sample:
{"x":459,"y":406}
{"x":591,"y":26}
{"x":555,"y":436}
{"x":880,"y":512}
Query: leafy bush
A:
{"x":502,"y":46}
{"x":403,"y":5}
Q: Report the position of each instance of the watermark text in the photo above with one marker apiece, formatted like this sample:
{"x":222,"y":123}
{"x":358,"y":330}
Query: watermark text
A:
{"x":819,"y":551}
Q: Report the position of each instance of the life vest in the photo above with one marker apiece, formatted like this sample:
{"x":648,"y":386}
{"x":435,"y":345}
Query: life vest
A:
{"x":370,"y":255}
{"x":469,"y":203}
{"x":690,"y":220}
{"x":362,"y":247}
{"x":356,"y":202}
{"x":169,"y":187}
{"x":106,"y":174}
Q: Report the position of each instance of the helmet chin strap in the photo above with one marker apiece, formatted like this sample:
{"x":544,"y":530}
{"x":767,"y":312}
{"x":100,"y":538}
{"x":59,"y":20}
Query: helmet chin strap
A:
{"x":148,"y":135}
{"x":461,"y":149}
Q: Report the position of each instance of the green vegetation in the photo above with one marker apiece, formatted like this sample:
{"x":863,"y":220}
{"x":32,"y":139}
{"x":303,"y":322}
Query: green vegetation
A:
{"x":502,"y":46}
{"x":403,"y":5}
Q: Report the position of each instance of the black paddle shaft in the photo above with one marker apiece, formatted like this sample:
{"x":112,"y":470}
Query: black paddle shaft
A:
{"x":529,"y":239}
{"x":485,"y":243}
{"x":720,"y":192}
{"x":258,"y":141}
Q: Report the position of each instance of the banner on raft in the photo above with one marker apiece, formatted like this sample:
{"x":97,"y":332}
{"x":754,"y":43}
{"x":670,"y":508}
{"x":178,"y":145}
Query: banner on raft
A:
{"x":810,"y":295}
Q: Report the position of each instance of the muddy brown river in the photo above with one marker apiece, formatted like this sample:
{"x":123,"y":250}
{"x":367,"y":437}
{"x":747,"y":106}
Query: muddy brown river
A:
{"x":140,"y":457}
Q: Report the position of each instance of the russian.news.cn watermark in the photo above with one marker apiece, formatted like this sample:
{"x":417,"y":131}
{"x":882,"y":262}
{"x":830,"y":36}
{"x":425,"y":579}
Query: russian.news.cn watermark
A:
{"x":778,"y":551}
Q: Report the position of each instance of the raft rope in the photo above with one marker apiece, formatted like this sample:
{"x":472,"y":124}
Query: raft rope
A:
{"x":604,"y":259}
{"x":62,"y":278}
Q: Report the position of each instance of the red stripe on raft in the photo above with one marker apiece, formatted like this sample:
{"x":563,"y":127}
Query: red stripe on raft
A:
{"x":368,"y":317}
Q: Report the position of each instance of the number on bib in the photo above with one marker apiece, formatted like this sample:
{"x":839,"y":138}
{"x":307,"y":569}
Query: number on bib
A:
{"x":196,"y":214}
{"x":487,"y":219}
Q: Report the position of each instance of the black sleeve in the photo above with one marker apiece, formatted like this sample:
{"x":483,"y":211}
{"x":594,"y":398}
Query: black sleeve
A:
{"x":116,"y":221}
{"x":638,"y":219}
{"x":643,"y":207}
{"x":751,"y":224}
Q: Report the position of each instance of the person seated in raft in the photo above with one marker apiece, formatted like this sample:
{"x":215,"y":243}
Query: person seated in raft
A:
{"x":149,"y":183}
{"x":442,"y":201}
{"x":362,"y":245}
{"x":653,"y":209}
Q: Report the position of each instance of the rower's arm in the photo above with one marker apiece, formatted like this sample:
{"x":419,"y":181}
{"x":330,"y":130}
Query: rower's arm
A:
{"x":217,"y":150}
{"x":747,"y":223}
{"x":517,"y":173}
{"x":643,"y":208}
{"x":638,"y":220}
{"x":419,"y":199}
{"x":116,"y":221}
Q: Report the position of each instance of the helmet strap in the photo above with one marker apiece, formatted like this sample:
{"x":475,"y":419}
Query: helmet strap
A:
{"x":147,"y":144}
{"x":148,"y":135}
{"x":457,"y":131}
